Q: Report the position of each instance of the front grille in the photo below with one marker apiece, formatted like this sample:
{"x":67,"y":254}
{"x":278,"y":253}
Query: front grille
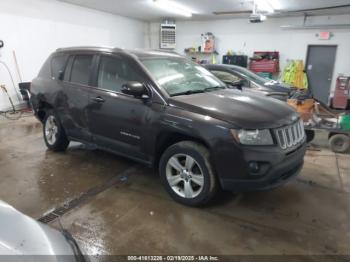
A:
{"x":290,"y":136}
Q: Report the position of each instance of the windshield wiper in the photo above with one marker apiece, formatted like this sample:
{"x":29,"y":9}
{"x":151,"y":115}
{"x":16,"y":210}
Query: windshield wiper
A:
{"x":208,"y":89}
{"x":188,"y":92}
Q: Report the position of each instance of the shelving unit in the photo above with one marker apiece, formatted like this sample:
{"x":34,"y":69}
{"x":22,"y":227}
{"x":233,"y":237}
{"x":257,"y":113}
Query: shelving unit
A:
{"x":202,"y":57}
{"x":201,"y":53}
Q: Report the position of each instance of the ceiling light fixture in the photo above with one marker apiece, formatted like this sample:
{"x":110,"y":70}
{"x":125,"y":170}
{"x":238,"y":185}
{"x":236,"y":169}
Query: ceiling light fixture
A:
{"x":275,"y":4}
{"x":264,"y":5}
{"x":173,"y":7}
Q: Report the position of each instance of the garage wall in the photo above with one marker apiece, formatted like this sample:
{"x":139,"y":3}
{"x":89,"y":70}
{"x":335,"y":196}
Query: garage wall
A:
{"x":35,"y":28}
{"x":241,"y":36}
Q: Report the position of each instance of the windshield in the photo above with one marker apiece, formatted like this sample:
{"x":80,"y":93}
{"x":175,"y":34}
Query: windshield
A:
{"x":178,"y":76}
{"x":253,"y":77}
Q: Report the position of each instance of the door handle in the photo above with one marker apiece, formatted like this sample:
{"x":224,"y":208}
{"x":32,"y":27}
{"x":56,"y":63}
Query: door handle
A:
{"x":98,"y":99}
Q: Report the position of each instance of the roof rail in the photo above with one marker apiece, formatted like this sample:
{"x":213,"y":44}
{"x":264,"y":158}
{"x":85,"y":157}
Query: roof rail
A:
{"x":158,"y":50}
{"x":89,"y":48}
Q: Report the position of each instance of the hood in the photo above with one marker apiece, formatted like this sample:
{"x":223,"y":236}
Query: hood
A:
{"x":282,"y":96}
{"x":277,"y":87}
{"x":243,"y":110}
{"x":22,"y":235}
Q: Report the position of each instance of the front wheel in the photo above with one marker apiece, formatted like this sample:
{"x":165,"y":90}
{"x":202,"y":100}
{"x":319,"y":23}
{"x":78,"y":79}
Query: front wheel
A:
{"x":187,"y":174}
{"x":54,"y":135}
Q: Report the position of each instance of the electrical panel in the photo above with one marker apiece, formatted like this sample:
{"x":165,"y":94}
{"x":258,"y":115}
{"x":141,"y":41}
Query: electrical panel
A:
{"x":167,"y":36}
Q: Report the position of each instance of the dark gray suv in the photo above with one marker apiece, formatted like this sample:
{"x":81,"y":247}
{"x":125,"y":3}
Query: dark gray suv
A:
{"x":163,"y":110}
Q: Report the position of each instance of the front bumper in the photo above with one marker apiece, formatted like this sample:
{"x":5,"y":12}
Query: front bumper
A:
{"x":280,"y":168}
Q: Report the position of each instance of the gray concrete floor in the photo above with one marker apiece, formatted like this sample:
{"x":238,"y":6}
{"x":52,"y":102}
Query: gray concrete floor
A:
{"x":136,"y":216}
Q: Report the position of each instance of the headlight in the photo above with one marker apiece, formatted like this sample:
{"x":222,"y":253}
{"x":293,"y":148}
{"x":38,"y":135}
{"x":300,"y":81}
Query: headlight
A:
{"x":253,"y":137}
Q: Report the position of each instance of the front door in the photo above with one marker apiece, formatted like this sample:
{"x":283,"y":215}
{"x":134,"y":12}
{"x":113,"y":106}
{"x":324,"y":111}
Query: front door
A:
{"x":319,"y":66}
{"x":118,"y":122}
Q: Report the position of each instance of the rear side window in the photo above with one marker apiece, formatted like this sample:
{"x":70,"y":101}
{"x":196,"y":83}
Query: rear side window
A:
{"x":68,"y":69}
{"x":58,"y":64}
{"x":114,"y":72}
{"x":81,"y":69}
{"x":45,"y":71}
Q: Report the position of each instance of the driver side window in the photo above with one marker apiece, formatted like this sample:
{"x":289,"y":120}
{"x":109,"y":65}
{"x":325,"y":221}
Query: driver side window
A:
{"x":114,"y":72}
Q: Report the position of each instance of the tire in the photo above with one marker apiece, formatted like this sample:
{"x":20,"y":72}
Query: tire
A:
{"x":310,"y":135}
{"x":339,"y":143}
{"x":192,"y":175}
{"x":54,"y":136}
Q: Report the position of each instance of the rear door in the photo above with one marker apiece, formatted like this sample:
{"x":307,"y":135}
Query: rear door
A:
{"x":76,"y":84}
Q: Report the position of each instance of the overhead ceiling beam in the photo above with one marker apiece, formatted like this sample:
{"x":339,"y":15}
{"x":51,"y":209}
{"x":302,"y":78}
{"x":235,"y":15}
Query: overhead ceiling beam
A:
{"x":316,"y":9}
{"x":316,"y":26}
{"x":303,"y":11}
{"x":233,"y":12}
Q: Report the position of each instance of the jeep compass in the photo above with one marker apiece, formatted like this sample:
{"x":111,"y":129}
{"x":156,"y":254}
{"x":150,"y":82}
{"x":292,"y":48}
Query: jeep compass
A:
{"x":163,"y":110}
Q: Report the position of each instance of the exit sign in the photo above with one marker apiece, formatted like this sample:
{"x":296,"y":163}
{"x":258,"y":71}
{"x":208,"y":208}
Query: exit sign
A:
{"x":324,"y":35}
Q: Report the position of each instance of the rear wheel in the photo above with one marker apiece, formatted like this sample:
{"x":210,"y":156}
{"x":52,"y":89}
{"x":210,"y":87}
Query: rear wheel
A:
{"x":187,"y":174}
{"x":54,"y":135}
{"x":339,"y":143}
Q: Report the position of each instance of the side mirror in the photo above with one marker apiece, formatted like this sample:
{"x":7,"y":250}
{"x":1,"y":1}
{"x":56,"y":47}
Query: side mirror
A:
{"x":135,"y":89}
{"x":238,"y":84}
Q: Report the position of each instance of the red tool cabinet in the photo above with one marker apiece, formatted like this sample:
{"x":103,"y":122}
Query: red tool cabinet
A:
{"x":269,"y":62}
{"x":342,"y":92}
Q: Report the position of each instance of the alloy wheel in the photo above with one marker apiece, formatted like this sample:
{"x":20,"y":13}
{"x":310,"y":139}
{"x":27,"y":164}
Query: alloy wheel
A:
{"x":184,"y":176}
{"x":51,"y":130}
